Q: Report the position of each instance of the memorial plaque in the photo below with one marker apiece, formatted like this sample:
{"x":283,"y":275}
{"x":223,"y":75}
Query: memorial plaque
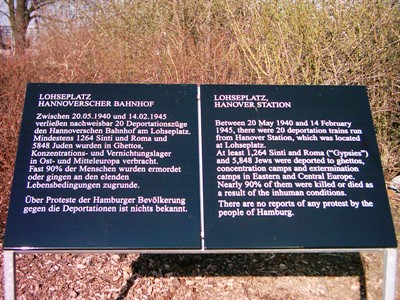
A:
{"x":117,"y":166}
{"x":292,"y":167}
{"x":106,"y":166}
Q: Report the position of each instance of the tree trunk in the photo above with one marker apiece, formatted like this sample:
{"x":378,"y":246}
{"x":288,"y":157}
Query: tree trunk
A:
{"x":22,"y":22}
{"x":19,"y":21}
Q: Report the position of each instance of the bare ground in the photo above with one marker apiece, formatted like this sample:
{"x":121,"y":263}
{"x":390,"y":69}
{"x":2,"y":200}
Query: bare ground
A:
{"x":210,"y":276}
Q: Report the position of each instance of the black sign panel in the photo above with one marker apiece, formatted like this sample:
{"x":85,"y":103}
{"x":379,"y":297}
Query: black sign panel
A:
{"x":292,"y":167}
{"x":116,"y":166}
{"x":107,"y":166}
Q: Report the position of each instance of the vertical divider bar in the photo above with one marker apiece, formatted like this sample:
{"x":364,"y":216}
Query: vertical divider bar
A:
{"x":389,"y":274}
{"x":9,"y":275}
{"x":200,"y":167}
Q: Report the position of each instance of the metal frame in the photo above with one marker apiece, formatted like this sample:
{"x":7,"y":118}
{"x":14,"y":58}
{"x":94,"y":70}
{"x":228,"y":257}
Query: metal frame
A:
{"x":389,"y":271}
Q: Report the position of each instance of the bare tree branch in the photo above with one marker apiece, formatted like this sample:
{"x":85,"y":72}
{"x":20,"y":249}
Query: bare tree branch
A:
{"x":2,"y":12}
{"x":39,"y":4}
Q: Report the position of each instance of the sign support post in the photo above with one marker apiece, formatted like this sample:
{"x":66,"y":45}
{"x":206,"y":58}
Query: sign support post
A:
{"x":9,"y":275}
{"x":389,"y":276}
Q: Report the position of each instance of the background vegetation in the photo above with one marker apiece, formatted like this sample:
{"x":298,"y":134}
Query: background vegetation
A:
{"x":214,"y":41}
